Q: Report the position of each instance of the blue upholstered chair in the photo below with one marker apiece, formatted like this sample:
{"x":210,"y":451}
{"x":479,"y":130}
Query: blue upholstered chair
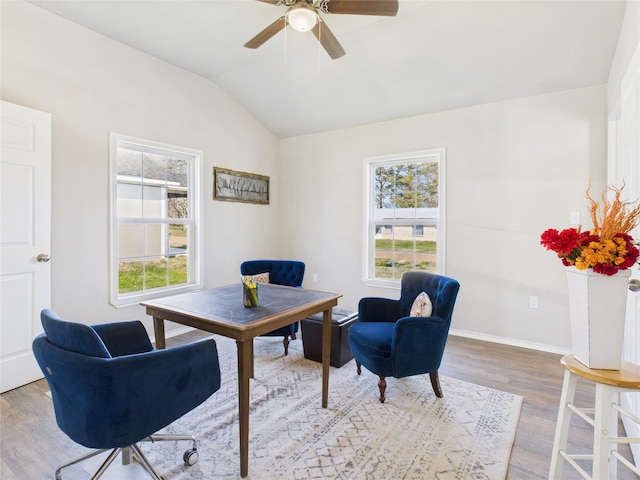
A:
{"x":390,"y":343}
{"x":111,"y":389}
{"x":281,"y":272}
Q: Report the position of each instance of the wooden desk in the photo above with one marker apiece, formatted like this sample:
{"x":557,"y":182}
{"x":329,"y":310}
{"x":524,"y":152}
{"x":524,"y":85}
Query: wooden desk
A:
{"x":220,"y":311}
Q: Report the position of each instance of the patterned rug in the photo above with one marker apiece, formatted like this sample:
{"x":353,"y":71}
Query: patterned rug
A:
{"x":468,"y":434}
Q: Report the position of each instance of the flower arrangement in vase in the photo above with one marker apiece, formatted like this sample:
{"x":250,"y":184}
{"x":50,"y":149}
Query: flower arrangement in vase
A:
{"x":600,"y":261}
{"x":607,"y":248}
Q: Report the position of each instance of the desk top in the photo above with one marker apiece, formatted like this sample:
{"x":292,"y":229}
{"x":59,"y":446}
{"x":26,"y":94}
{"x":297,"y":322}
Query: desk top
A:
{"x":627,"y":377}
{"x":220,"y":310}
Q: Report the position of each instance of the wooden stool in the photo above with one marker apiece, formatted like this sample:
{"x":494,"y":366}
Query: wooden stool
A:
{"x":603,"y":419}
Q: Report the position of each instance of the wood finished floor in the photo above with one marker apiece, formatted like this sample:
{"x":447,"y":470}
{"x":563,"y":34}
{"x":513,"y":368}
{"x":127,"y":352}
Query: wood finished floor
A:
{"x":32,"y":446}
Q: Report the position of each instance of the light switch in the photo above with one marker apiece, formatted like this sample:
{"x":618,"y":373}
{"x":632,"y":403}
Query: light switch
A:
{"x":574,"y":218}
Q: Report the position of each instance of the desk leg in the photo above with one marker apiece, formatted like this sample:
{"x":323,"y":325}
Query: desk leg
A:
{"x":158,"y":330}
{"x":326,"y":355}
{"x":245,"y":371}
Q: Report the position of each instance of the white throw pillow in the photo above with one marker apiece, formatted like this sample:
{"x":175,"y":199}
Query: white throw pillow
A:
{"x":422,"y":306}
{"x":261,"y":277}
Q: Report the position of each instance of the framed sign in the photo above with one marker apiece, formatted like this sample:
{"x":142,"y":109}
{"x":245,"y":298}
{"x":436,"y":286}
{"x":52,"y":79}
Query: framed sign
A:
{"x":232,"y":186}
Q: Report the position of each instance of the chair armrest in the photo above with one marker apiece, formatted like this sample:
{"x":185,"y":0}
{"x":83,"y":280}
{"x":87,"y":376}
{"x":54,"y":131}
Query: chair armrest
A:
{"x":376,"y":309}
{"x":124,"y":338}
{"x":418,"y":344}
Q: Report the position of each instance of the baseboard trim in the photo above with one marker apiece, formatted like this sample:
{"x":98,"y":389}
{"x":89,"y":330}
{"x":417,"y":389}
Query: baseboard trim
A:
{"x":510,"y":341}
{"x":174,"y":332}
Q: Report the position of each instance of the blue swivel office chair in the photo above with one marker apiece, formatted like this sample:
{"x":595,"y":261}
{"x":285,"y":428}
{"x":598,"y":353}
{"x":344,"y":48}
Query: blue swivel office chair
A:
{"x":391,"y":343}
{"x":111,"y":389}
{"x":281,"y":272}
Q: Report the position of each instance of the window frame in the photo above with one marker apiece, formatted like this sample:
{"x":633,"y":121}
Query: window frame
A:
{"x":193,"y":219}
{"x":369,"y":224}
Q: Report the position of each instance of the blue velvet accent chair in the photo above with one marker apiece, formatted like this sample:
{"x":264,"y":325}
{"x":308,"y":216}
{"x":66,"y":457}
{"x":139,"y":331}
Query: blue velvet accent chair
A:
{"x":390,"y":343}
{"x":281,"y":272}
{"x":112,"y":390}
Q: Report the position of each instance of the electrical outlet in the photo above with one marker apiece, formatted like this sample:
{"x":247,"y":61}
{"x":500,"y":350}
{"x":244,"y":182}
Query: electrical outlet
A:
{"x":533,"y":301}
{"x":315,"y":278}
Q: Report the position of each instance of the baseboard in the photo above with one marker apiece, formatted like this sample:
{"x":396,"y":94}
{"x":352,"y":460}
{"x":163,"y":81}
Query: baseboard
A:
{"x":510,"y":341}
{"x":174,"y":332}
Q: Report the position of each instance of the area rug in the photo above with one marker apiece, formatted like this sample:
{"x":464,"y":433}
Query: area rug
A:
{"x":468,"y":434}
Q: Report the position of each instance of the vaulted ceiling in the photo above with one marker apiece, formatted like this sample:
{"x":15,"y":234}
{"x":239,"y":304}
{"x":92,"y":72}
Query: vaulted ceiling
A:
{"x":432,"y":56}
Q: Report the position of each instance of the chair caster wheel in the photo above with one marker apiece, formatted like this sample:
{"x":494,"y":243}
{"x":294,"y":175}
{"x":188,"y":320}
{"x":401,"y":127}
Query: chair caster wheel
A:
{"x":190,"y":457}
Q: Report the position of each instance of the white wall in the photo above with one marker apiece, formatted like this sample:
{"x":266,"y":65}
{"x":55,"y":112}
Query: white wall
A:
{"x":92,"y":86}
{"x":514,"y":169}
{"x":628,"y":41}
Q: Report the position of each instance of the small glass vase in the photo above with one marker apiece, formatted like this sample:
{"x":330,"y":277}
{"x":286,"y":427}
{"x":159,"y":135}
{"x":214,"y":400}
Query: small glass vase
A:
{"x":250,"y":295}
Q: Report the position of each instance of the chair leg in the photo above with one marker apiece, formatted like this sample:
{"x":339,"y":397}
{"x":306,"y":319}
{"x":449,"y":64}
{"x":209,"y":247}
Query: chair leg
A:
{"x":382,"y":385}
{"x":286,"y":345}
{"x":112,"y":456}
{"x":435,"y":383}
{"x":145,"y":462}
{"x":79,"y":459}
{"x":358,"y":367}
{"x":166,"y":437}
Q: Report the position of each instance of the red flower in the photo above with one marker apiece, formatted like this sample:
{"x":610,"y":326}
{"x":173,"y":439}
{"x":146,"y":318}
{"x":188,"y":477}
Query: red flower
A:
{"x":563,"y":243}
{"x":632,"y":251}
{"x":605,"y":269}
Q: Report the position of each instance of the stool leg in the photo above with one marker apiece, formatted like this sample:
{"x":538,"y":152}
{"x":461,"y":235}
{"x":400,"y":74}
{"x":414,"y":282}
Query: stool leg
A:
{"x":562,"y":425}
{"x":606,"y":426}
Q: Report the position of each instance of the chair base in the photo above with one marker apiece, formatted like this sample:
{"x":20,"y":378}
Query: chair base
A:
{"x":190,"y":457}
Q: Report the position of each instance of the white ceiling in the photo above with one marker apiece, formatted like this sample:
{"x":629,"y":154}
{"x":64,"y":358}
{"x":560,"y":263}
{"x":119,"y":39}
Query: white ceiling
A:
{"x":432,"y":56}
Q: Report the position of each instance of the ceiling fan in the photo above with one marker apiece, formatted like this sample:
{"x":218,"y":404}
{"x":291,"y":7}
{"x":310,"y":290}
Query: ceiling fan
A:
{"x":304,"y":15}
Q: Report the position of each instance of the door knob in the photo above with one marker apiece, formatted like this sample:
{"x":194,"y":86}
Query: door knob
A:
{"x":634,"y":285}
{"x":43,"y":258}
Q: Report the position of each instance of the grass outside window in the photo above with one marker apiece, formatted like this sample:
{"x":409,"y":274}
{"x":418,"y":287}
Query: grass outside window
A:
{"x":134,"y":276}
{"x":393,"y":258}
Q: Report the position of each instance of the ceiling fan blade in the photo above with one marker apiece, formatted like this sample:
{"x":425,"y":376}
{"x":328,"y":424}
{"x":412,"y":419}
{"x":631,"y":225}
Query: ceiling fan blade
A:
{"x":328,"y":40}
{"x":266,"y":34}
{"x":387,"y":8}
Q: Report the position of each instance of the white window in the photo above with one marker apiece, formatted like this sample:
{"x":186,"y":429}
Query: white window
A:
{"x":404,"y":218}
{"x":155,"y":220}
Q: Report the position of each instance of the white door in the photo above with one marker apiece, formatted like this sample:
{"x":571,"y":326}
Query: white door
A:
{"x":624,"y":159}
{"x":25,"y":230}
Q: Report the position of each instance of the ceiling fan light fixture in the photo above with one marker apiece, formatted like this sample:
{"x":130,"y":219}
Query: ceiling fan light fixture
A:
{"x":302,"y":17}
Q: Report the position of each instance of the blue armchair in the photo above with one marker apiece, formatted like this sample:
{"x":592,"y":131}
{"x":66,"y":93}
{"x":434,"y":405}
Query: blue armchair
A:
{"x":111,"y":389}
{"x":390,"y":343}
{"x":281,"y":272}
